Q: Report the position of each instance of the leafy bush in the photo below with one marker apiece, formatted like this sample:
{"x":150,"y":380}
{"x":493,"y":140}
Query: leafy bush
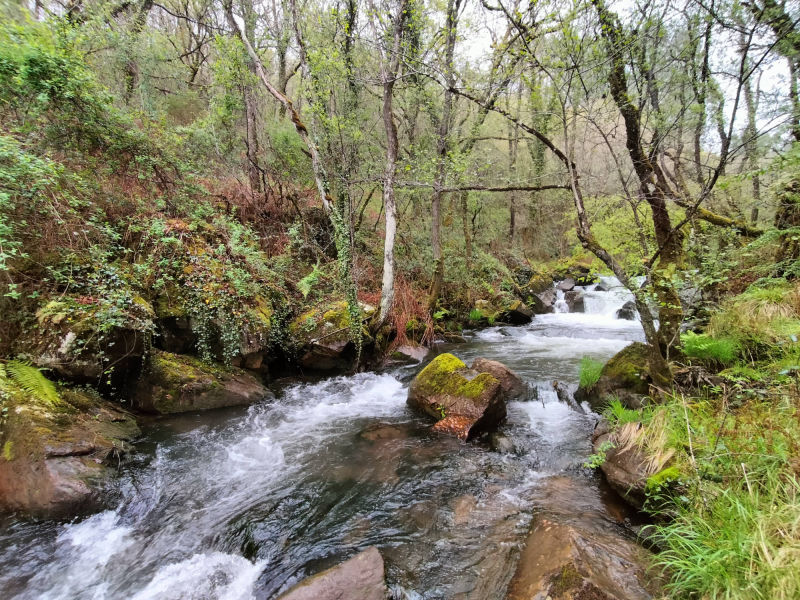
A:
{"x":590,"y":370}
{"x":708,"y":349}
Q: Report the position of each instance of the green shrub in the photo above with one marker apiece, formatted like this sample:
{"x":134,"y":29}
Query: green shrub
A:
{"x":590,"y":370}
{"x":703,"y":347}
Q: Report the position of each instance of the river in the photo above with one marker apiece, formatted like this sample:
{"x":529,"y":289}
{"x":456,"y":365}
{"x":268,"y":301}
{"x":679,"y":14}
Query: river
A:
{"x":244,"y":503}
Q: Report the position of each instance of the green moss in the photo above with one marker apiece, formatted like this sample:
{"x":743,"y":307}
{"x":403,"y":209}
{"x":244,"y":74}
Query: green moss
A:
{"x":538,"y":283}
{"x":628,"y":367}
{"x":170,"y":304}
{"x":8,"y":450}
{"x":442,"y":378}
{"x":662,"y":478}
{"x":568,"y":578}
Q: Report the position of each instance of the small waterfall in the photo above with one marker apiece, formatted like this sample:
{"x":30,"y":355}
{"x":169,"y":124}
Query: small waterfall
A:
{"x":608,"y":299}
{"x":561,"y":305}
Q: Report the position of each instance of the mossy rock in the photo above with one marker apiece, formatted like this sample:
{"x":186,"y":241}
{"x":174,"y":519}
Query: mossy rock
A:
{"x":537,"y":284}
{"x":55,"y":454}
{"x":446,"y":388}
{"x":174,"y":383}
{"x":625,"y":376}
{"x":86,"y":339}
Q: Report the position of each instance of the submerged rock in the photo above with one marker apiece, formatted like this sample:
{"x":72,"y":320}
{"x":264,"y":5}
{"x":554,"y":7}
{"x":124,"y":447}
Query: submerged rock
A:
{"x":54,"y":453}
{"x":628,"y":311}
{"x":360,"y":578}
{"x":175,"y":384}
{"x":625,"y":377}
{"x":561,"y":561}
{"x":464,"y":401}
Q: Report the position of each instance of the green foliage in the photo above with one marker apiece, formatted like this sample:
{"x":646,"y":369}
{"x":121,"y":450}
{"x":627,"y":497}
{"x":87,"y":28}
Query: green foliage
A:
{"x":309,"y":281}
{"x":590,"y":370}
{"x":619,"y":415}
{"x":31,"y":379}
{"x":744,"y":544}
{"x":703,"y":347}
{"x":596,"y":460}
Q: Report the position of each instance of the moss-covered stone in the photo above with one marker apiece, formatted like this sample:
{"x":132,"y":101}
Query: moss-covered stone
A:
{"x":663,"y":478}
{"x":88,"y":339}
{"x":53,"y":454}
{"x":446,"y":388}
{"x":175,"y":383}
{"x":625,"y":377}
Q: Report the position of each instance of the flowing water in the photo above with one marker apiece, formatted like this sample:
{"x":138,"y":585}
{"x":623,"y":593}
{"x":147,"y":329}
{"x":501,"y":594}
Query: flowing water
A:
{"x":244,"y":503}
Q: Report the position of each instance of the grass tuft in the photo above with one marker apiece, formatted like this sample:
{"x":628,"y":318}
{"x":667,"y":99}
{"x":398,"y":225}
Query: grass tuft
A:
{"x":590,"y":370}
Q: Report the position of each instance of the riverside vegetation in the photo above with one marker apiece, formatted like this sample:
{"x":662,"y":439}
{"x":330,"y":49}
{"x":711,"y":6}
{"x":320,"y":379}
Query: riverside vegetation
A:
{"x":198,"y":199}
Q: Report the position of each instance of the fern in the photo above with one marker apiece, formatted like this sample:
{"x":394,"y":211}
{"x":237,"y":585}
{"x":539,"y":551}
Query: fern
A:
{"x":31,"y":379}
{"x":307,"y":282}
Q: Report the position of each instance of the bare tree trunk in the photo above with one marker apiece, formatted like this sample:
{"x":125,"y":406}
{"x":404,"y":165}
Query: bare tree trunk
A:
{"x":442,"y":149}
{"x":320,"y":177}
{"x":513,"y":145}
{"x":131,"y":66}
{"x":389,"y":68}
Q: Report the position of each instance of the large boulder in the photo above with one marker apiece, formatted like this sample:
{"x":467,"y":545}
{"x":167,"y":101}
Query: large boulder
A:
{"x":322,"y":337}
{"x":55,"y":451}
{"x":575,"y":301}
{"x":511,"y":383}
{"x":464,"y":401}
{"x":90,"y":340}
{"x":173,"y":383}
{"x":409,"y":353}
{"x":562,"y":561}
{"x":360,"y":578}
{"x":624,"y":464}
{"x":517,"y":313}
{"x":625,"y":377}
{"x":628,"y":468}
{"x":547,"y":299}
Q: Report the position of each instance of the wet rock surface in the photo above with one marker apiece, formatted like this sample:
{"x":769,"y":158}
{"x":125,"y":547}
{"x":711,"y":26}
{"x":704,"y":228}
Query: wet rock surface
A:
{"x":511,"y":383}
{"x":628,"y":311}
{"x":360,"y":578}
{"x":576,"y":550}
{"x":626,"y":467}
{"x":563,"y":562}
{"x":175,"y":384}
{"x":575,"y":301}
{"x":55,"y":454}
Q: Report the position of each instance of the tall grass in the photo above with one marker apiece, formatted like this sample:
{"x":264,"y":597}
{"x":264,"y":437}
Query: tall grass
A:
{"x":589,"y":372}
{"x":742,"y":544}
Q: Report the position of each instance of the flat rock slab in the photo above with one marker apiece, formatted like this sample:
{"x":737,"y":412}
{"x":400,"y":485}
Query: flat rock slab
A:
{"x":360,"y":578}
{"x":562,"y":562}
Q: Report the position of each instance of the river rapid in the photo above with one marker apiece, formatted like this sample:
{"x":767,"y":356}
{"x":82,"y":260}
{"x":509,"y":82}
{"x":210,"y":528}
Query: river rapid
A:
{"x":239,"y":504}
